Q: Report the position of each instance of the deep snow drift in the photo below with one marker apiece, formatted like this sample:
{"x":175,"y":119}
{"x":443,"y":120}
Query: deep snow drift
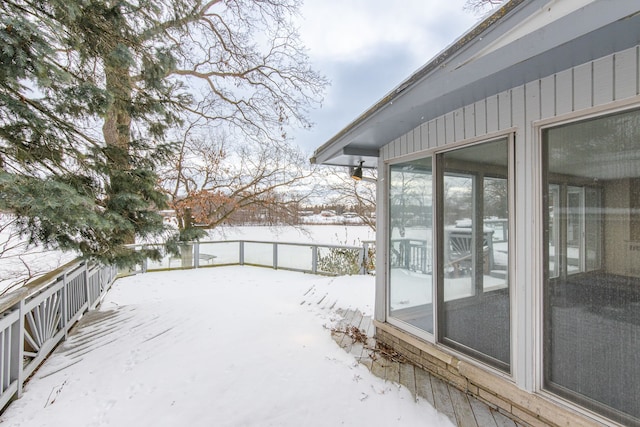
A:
{"x":227,"y":346}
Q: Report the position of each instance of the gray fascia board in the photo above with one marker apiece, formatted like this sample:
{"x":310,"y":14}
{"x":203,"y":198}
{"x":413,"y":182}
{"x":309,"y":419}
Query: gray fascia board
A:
{"x":459,"y":44}
{"x":454,"y":79}
{"x":352,"y":150}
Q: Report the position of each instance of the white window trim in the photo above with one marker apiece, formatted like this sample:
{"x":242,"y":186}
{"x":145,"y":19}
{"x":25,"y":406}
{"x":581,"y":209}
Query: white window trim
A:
{"x":383,"y":213}
{"x":538,"y":127}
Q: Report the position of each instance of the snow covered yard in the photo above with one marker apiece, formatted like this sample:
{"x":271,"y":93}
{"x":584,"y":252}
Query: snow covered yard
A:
{"x":228,"y":346}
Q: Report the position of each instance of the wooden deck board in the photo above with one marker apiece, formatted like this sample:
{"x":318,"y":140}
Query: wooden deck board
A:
{"x":378,"y":368}
{"x":502,"y":420}
{"x":366,"y":325}
{"x":442,"y":399}
{"x":463,"y":410}
{"x":392,"y":372}
{"x":423,"y":385}
{"x":408,"y":377}
{"x":356,"y":349}
{"x":346,"y":342}
{"x":483,"y":413}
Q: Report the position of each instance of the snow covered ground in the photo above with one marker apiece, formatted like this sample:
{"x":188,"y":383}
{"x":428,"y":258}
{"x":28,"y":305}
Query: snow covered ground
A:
{"x":228,"y":346}
{"x":21,"y":262}
{"x":350,"y":235}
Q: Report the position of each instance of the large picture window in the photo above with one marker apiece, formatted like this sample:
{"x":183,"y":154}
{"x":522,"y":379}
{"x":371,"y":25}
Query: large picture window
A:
{"x":410,"y":246}
{"x":592,"y":251}
{"x":474,"y":293}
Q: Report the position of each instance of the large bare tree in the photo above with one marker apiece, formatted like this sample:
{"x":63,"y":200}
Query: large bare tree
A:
{"x":90,"y":88}
{"x":235,"y":64}
{"x":217,"y":178}
{"x":358,"y":195}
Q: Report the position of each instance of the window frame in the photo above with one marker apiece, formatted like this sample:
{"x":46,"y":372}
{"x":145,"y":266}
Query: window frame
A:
{"x":421,"y":333}
{"x":510,"y":135}
{"x":539,"y":367}
{"x":476,"y":356}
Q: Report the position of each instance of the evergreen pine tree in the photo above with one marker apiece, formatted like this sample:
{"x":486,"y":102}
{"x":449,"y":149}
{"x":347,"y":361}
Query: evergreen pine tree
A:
{"x":90,"y":88}
{"x":64,"y":67}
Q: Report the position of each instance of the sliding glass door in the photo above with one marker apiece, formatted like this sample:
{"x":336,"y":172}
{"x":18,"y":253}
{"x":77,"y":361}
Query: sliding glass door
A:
{"x":473,"y":284}
{"x":410,"y":244}
{"x":592,"y":250}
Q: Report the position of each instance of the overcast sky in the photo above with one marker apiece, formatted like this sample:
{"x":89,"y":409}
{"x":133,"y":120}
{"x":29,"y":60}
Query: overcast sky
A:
{"x":367,"y":47}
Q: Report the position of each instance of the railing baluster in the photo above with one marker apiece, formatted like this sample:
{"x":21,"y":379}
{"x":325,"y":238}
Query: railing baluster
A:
{"x":3,"y":366}
{"x":6,"y":342}
{"x":314,"y":259}
{"x":17,"y":348}
{"x":275,"y":256}
{"x":46,"y":307}
{"x":87,"y":286}
{"x":196,"y":254}
{"x":65,"y":310}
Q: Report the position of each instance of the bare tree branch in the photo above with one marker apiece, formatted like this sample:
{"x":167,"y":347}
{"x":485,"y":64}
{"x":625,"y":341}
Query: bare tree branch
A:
{"x":481,"y":6}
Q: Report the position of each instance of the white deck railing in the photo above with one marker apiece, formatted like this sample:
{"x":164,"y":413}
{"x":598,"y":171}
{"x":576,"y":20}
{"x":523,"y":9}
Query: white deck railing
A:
{"x":36,"y":317}
{"x":303,"y":257}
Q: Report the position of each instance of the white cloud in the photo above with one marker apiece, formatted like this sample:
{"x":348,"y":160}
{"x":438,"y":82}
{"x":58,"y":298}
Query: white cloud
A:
{"x":367,"y":47}
{"x":350,"y":30}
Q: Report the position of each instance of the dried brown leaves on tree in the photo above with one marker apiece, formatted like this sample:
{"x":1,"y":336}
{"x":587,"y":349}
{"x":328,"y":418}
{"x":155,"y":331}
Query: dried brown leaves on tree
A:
{"x":216,"y":179}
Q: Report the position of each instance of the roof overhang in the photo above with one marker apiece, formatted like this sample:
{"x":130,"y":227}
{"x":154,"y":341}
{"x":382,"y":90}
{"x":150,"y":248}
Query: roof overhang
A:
{"x":524,"y":40}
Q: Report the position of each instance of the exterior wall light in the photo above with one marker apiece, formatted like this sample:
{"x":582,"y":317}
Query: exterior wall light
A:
{"x":357,"y":172}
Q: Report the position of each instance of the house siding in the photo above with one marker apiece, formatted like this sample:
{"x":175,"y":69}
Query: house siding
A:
{"x":590,"y":86}
{"x":611,"y":78}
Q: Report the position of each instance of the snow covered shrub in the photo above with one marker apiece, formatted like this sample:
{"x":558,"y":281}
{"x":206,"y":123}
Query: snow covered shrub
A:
{"x":340,"y":261}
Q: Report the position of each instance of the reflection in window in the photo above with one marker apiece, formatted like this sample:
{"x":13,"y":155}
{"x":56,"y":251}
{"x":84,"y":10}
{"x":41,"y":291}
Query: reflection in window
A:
{"x":410,"y":248}
{"x":592,"y":287}
{"x":474,"y":302}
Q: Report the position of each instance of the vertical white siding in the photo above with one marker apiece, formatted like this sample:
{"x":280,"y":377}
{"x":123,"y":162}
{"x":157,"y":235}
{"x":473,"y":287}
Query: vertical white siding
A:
{"x":413,"y":144}
{"x":564,"y":92}
{"x":404,"y":145}
{"x":625,"y":74}
{"x":433,"y":134}
{"x":547,"y":98}
{"x":458,"y":125}
{"x":480,"y":117}
{"x":440,"y":132}
{"x":582,"y":82}
{"x":594,"y":84}
{"x":504,"y":110}
{"x":603,"y":80}
{"x":424,"y":136}
{"x":492,"y":118}
{"x":450,"y":128}
{"x":469,"y":125}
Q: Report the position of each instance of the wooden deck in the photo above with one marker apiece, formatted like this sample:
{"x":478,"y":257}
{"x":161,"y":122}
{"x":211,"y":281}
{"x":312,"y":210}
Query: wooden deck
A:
{"x":354,"y":333}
